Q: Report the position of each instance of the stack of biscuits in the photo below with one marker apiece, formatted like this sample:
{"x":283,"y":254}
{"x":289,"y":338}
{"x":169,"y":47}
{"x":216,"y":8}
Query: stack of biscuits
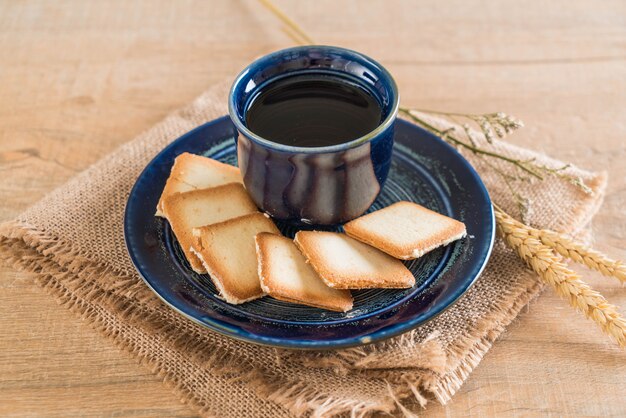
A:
{"x":222,"y":233}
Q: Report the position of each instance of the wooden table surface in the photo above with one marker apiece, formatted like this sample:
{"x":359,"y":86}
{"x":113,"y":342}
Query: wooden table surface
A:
{"x":77,"y":79}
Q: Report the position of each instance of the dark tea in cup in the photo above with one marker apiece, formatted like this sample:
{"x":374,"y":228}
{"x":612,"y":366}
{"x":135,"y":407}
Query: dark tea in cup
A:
{"x":310,"y":110}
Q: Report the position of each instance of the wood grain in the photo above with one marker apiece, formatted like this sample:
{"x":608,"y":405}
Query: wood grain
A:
{"x":77,"y":79}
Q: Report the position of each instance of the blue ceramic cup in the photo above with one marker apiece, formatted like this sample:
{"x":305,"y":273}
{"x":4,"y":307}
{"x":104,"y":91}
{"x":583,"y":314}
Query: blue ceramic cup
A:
{"x":315,"y":185}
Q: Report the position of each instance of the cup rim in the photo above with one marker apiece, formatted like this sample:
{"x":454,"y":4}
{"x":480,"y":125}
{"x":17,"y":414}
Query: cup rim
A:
{"x":386,"y":123}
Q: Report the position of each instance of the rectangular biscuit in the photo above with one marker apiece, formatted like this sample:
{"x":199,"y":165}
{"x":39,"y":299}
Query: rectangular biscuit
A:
{"x":285,"y":275}
{"x":227,"y":251}
{"x":405,"y":230}
{"x":345,"y":263}
{"x":191,"y":172}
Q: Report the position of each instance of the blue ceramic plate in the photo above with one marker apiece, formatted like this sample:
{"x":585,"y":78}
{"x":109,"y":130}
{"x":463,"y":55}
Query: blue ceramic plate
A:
{"x":425,"y":170}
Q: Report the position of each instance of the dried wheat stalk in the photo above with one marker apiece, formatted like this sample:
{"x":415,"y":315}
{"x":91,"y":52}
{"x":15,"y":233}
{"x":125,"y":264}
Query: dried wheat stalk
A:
{"x":581,"y":254}
{"x":568,"y":284}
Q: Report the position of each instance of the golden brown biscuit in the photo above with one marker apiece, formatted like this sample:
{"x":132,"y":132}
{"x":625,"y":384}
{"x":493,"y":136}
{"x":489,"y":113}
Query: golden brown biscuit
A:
{"x":345,"y":263}
{"x":227,"y":251}
{"x":191,"y":172}
{"x":285,"y":275}
{"x":405,"y":230}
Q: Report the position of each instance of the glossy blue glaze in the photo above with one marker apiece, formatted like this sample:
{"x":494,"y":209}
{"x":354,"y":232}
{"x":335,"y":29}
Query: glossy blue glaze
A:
{"x":321,"y":185}
{"x":424,"y":169}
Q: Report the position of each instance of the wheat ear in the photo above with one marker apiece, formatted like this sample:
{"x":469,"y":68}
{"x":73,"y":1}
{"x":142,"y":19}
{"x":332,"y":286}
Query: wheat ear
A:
{"x":568,"y":284}
{"x":581,"y":254}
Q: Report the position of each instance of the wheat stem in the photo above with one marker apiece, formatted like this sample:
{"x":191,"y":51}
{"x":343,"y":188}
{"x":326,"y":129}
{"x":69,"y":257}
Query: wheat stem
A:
{"x":446,"y":136}
{"x":295,"y":37}
{"x":288,"y":22}
{"x":568,"y":284}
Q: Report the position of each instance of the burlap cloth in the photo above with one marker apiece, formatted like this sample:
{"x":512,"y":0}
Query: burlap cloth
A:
{"x":73,"y":238}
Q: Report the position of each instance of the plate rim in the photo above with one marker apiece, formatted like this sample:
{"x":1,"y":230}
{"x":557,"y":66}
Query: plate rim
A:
{"x":344,"y":342}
